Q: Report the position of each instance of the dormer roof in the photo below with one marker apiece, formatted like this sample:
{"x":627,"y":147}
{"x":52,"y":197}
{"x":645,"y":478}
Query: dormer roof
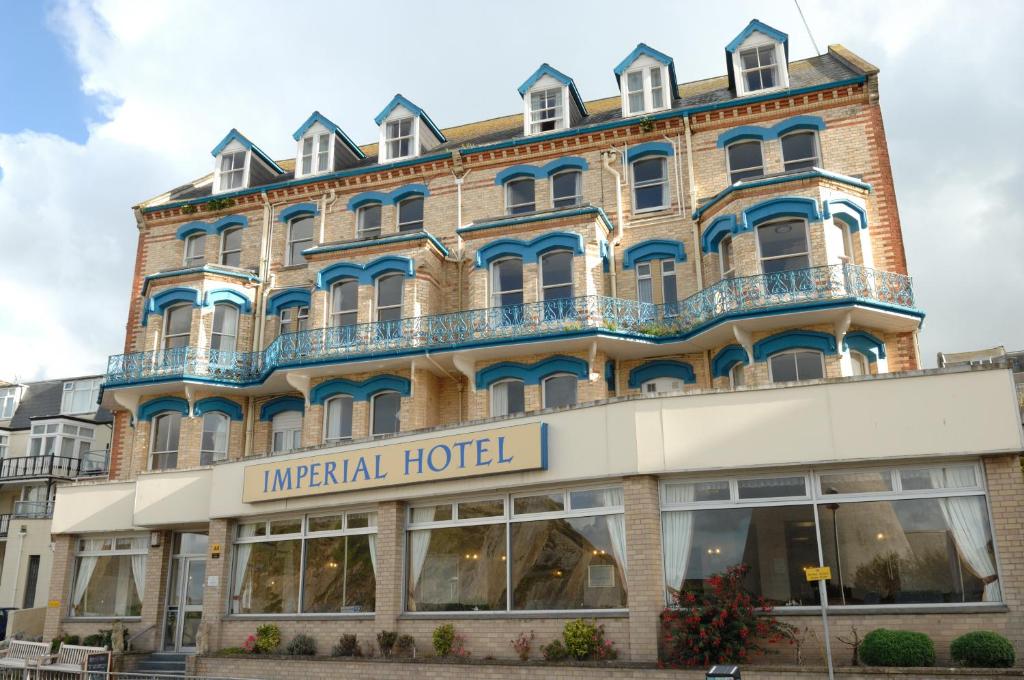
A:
{"x":643,"y":49}
{"x":317,"y":117}
{"x":759,"y":27}
{"x":399,"y":100}
{"x":546,"y":69}
{"x":235,"y":136}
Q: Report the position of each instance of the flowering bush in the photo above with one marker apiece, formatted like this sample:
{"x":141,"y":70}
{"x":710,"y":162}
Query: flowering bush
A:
{"x":585,"y":641}
{"x":522,"y":644}
{"x":447,"y":642}
{"x":727,"y":625}
{"x":250,"y":644}
{"x":268,"y":639}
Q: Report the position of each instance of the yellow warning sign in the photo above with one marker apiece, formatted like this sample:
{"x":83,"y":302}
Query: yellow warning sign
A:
{"x":818,"y":573}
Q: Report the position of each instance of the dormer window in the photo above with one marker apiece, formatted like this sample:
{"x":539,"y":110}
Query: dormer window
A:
{"x":406,"y":131}
{"x":545,"y":110}
{"x":647,"y":79}
{"x":399,"y":136}
{"x":760,"y":72}
{"x":551,"y":101}
{"x":232,"y":170}
{"x":316,"y":153}
{"x":323,"y":147}
{"x":757,"y":59}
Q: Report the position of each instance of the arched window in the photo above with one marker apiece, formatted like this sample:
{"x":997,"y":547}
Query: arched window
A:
{"x":800,"y":150}
{"x":389,"y":303}
{"x":650,"y":184}
{"x":745,"y":160}
{"x":669,"y":290}
{"x":294,"y":319}
{"x":286,"y":431}
{"x":214,"y":445}
{"x":368,"y":221}
{"x":859,"y":363}
{"x":410,"y":214}
{"x":338,"y":418}
{"x":783,"y":246}
{"x":195,"y":250}
{"x":662,"y":386}
{"x":385,"y":413}
{"x":566,"y":189}
{"x":726,"y":259}
{"x":508,"y":397}
{"x":556,"y":284}
{"x":520,"y":196}
{"x":737,"y":375}
{"x":644,"y":282}
{"x":300,"y":237}
{"x":163,"y":450}
{"x":177,"y":326}
{"x":231,"y":247}
{"x":507,"y":282}
{"x":345,"y":302}
{"x":796,"y":364}
{"x":225,"y":328}
{"x":559,"y":390}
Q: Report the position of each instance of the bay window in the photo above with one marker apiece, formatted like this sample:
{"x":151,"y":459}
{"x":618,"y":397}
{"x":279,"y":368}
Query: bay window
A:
{"x":892,"y":536}
{"x":109,"y":576}
{"x":783,"y":246}
{"x":556,"y":285}
{"x":177,"y":326}
{"x":316,"y":564}
{"x":650,"y":184}
{"x":64,"y":439}
{"x":726,"y":260}
{"x":294,"y":319}
{"x":345,"y":302}
{"x":225,"y":328}
{"x":566,"y":546}
{"x":388,"y":310}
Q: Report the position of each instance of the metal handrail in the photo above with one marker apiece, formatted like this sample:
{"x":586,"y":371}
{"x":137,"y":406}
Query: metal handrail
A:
{"x":33,"y":510}
{"x":549,"y":318}
{"x":27,"y":467}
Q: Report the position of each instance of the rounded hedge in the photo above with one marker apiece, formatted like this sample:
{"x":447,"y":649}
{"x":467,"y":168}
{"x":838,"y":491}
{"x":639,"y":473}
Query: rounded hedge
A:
{"x":903,"y":648}
{"x":982,"y":649}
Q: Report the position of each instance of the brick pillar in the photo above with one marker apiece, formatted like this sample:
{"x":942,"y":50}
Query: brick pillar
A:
{"x":156,"y":593}
{"x":390,"y":527}
{"x":644,"y":572}
{"x":216,"y":597}
{"x":60,"y":584}
{"x":1005,"y":495}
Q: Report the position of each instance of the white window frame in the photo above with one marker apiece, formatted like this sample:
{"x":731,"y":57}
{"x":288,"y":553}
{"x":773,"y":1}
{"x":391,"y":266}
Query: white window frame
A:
{"x":71,"y":387}
{"x":797,"y":350}
{"x":737,"y":370}
{"x":814,"y":142}
{"x":559,"y":108}
{"x":413,"y":137}
{"x":654,"y":382}
{"x":666,"y":200}
{"x":221,"y":335}
{"x":492,"y":284}
{"x":577,"y":197}
{"x":508,"y":196}
{"x":505,"y":381}
{"x":244,"y":170}
{"x":191,"y":259}
{"x":9,"y":399}
{"x":544,"y":388}
{"x":361,"y":211}
{"x":373,"y":410}
{"x":290,"y":241}
{"x":333,"y":313}
{"x":668,"y":271}
{"x":141,"y":540}
{"x":4,"y":443}
{"x":56,"y":430}
{"x":327,"y":412}
{"x":223,"y":247}
{"x":761,"y":259}
{"x":545,"y":286}
{"x":377,"y":307}
{"x":728,"y":161}
{"x":291,"y":437}
{"x":153,"y":453}
{"x":726,"y":251}
{"x":644,"y":273}
{"x":410,"y":225}
{"x":647,"y":89}
{"x":859,"y":359}
{"x":781,"y":71}
{"x":314,"y":154}
{"x":214,"y":455}
{"x":167,"y":322}
{"x":297,"y":315}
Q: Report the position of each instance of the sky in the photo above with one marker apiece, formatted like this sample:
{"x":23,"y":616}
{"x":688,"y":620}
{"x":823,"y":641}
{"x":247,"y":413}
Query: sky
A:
{"x":105,"y":104}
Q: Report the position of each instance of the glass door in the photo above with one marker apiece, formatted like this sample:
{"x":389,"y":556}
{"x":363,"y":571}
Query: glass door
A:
{"x":185,"y":583}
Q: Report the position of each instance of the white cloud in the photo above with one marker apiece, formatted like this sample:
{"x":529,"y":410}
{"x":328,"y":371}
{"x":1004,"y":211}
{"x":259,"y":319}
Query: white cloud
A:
{"x":175,"y":76}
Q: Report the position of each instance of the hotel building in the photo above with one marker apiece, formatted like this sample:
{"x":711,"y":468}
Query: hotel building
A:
{"x":552,"y":365}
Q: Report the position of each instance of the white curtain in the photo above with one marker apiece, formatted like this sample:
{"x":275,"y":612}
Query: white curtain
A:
{"x":616,"y":527}
{"x":242,"y":553}
{"x":499,"y":399}
{"x":677,"y":538}
{"x":419,"y":542}
{"x":967,"y":521}
{"x":139,"y":565}
{"x":372,"y":540}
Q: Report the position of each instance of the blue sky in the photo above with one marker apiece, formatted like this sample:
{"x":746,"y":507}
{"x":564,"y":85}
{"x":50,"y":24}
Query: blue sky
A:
{"x":104,"y":103}
{"x":39,"y":79}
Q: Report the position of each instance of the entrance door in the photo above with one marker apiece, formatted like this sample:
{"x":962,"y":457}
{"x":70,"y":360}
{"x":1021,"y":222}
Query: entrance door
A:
{"x":185,"y":592}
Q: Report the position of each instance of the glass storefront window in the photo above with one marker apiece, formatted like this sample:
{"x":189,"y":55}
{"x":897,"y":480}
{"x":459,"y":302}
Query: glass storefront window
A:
{"x":459,"y":568}
{"x":110,"y":577}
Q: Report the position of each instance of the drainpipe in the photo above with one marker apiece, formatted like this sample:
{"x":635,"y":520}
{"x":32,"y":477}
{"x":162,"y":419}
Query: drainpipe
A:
{"x":679,"y":173}
{"x":698,"y":259}
{"x":607,"y":158}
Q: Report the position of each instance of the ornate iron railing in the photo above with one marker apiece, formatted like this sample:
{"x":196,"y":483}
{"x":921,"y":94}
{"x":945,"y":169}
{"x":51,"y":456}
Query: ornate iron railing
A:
{"x":5,"y":524}
{"x":33,"y":509}
{"x":28,"y":467}
{"x":550,"y":318}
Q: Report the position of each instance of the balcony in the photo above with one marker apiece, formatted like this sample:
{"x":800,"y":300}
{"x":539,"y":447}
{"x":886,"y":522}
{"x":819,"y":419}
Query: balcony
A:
{"x":803,"y":289}
{"x":5,"y":524}
{"x":33,"y":510}
{"x":36,"y":467}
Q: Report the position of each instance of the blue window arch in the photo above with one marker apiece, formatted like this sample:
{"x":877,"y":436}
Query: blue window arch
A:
{"x":159,"y":303}
{"x":849,"y":213}
{"x":745,"y":132}
{"x":867,"y":344}
{"x":529,"y":250}
{"x":653,"y":249}
{"x":281,"y":405}
{"x":639,"y":151}
{"x":360,"y":391}
{"x":720,"y":227}
{"x":798,"y":339}
{"x":298,"y":210}
{"x":219,"y":405}
{"x":388,"y":197}
{"x":216,"y":227}
{"x":726,"y":358}
{"x":290,"y":297}
{"x":160,"y":405}
{"x":228,"y":296}
{"x":793,"y":206}
{"x":531,"y":374}
{"x":540,"y":172}
{"x":366,"y":273}
{"x":662,"y":368}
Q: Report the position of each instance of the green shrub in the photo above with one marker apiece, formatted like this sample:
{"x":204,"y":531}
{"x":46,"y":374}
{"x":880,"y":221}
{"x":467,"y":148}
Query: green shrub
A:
{"x":301,"y":645}
{"x":982,"y":649}
{"x":386,"y":640}
{"x":347,"y":646}
{"x":902,"y":648}
{"x":66,"y":639}
{"x":96,"y":640}
{"x":554,"y":651}
{"x":580,"y":638}
{"x":268,"y":638}
{"x":444,"y":639}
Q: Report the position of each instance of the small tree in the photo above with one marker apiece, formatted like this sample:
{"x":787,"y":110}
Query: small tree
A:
{"x":727,"y":625}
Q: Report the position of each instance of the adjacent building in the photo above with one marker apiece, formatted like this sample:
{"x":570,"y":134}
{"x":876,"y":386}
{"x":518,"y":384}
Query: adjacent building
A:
{"x":52,"y":432}
{"x":557,"y":364}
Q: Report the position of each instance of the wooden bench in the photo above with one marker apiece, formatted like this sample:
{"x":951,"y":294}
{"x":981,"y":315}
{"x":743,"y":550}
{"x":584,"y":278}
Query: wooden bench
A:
{"x":70,"y":658}
{"x":22,"y":654}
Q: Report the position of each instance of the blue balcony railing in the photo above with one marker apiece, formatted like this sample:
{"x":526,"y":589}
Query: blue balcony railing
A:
{"x":729,"y":298}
